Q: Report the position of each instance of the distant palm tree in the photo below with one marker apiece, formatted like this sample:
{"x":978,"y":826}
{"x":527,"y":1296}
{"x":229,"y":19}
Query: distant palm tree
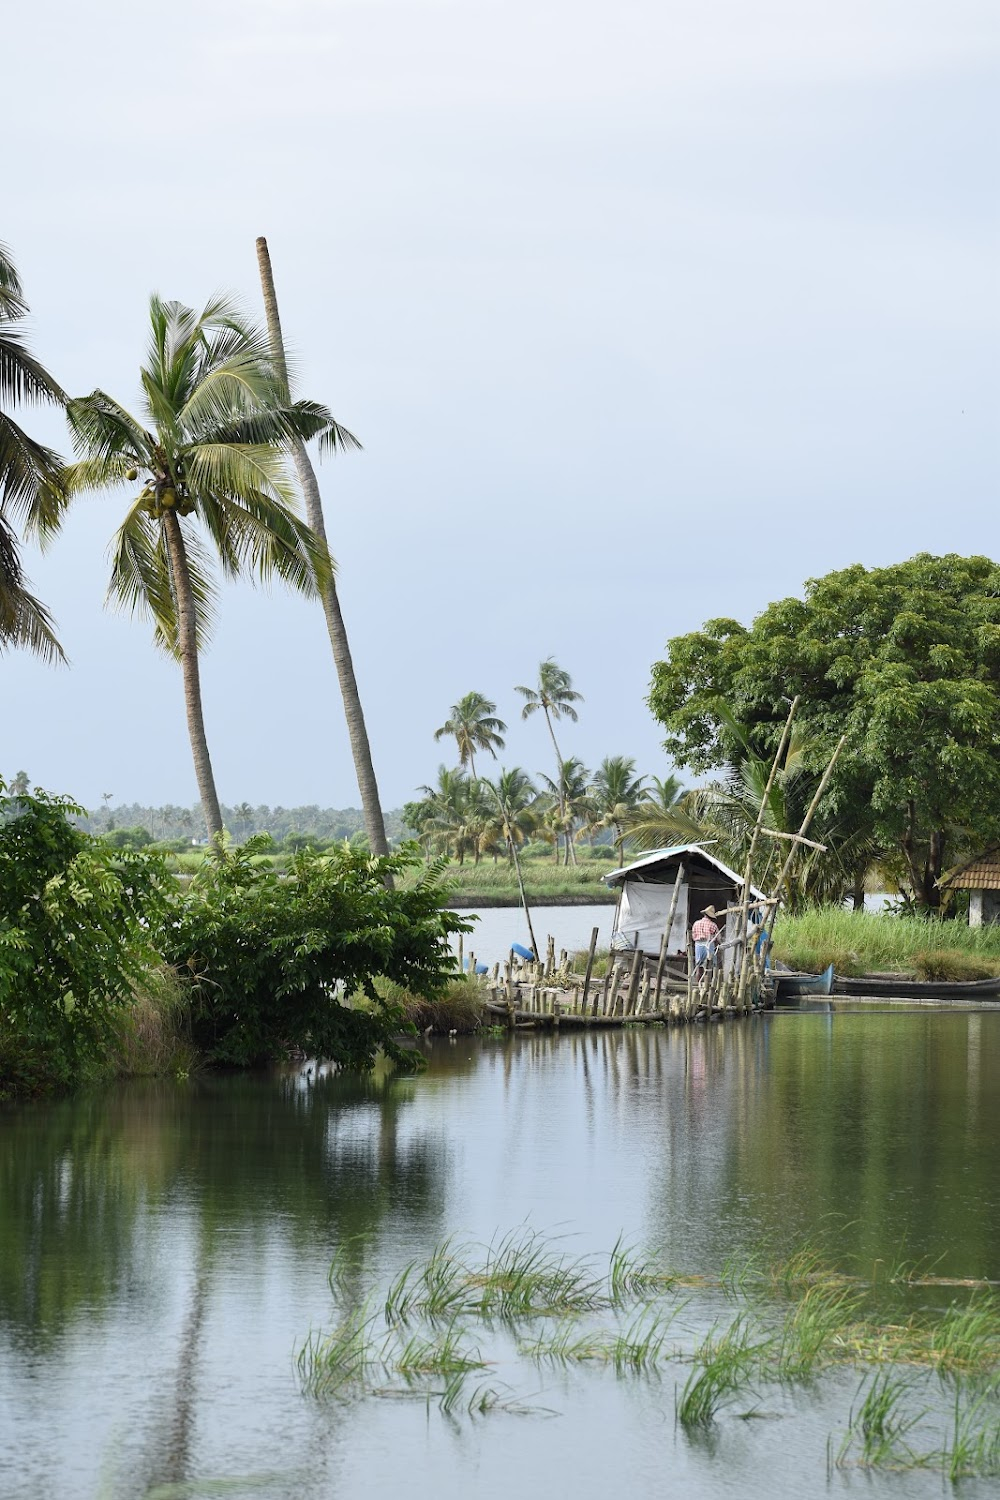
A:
{"x":665,"y":816}
{"x":210,"y":447}
{"x":473,"y":723}
{"x":515,"y":798}
{"x":614,"y":794}
{"x":29,"y":473}
{"x":555,"y":696}
{"x":570,"y":791}
{"x":244,"y":812}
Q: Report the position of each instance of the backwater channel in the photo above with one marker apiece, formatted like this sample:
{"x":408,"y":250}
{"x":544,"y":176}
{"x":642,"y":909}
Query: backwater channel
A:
{"x":165,"y":1250}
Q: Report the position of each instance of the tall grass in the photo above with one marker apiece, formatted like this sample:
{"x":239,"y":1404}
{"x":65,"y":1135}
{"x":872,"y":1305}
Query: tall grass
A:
{"x":150,"y":1035}
{"x":877,"y":942}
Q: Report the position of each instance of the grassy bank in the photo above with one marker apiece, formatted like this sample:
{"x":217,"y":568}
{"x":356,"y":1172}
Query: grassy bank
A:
{"x":876,"y":943}
{"x":545,"y":882}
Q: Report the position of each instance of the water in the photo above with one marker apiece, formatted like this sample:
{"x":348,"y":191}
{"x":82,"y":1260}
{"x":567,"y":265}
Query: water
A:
{"x":497,"y":927}
{"x":164,"y":1249}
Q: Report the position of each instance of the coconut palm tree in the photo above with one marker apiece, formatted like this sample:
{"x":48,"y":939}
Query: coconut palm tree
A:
{"x":473,"y":722}
{"x":555,"y":696}
{"x":665,"y":816}
{"x":515,"y":798}
{"x":336,"y":438}
{"x":209,"y":453}
{"x":569,"y":791}
{"x":613,"y":796}
{"x":28,"y":473}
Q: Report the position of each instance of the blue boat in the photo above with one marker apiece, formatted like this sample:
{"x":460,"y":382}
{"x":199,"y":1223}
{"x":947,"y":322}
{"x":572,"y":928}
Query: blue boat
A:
{"x":802,"y":986}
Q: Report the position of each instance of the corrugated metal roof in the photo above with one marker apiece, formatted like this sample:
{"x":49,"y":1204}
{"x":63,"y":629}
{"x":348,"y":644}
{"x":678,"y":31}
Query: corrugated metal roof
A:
{"x":663,"y":856}
{"x":984,"y":875}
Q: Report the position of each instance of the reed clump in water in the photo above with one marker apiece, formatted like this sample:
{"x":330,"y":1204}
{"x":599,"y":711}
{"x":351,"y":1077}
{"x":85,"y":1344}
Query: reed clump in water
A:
{"x":444,"y":1320}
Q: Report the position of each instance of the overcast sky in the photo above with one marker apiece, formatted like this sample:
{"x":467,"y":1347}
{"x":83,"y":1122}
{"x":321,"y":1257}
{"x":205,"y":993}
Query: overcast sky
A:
{"x":645,"y":313}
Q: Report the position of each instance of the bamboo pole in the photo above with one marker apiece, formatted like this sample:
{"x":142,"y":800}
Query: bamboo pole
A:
{"x":666,"y":931}
{"x":755,"y":835}
{"x":787,"y":866}
{"x":590,"y":965}
{"x":633,"y":983}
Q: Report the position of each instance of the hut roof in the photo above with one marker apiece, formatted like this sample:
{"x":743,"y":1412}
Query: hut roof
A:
{"x":983,"y":875}
{"x":648,"y":863}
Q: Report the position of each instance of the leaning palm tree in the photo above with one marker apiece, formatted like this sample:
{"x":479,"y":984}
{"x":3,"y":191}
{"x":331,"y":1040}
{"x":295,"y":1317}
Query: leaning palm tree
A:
{"x":555,"y":696}
{"x":209,"y":451}
{"x":473,"y":722}
{"x":335,"y":437}
{"x":28,"y":472}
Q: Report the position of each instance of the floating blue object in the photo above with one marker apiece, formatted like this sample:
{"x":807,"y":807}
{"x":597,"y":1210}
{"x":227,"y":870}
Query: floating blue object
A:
{"x":522,"y":952}
{"x":480,"y":968}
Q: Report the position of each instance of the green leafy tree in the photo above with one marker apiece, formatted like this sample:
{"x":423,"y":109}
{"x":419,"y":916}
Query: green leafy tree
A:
{"x":28,"y":472}
{"x":473,"y":723}
{"x":209,"y":448}
{"x":904,"y":661}
{"x":75,"y":921}
{"x":271,"y":958}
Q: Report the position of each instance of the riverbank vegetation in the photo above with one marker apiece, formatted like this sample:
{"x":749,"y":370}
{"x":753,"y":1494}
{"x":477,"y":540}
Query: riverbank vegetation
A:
{"x":902,"y":661}
{"x":109,"y":966}
{"x":925,"y":1351}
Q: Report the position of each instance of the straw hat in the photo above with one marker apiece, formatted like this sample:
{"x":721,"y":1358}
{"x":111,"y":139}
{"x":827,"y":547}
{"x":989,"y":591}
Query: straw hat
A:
{"x":710,"y":911}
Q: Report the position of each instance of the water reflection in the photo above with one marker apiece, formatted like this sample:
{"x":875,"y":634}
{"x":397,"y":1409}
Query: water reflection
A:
{"x":163,"y":1248}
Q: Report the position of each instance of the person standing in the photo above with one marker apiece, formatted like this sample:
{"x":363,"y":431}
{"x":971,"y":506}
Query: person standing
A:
{"x":705,"y":936}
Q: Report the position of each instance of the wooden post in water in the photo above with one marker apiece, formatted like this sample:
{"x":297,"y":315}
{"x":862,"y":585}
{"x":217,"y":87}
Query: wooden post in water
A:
{"x":590,"y":965}
{"x":633,"y":983}
{"x":460,"y":937}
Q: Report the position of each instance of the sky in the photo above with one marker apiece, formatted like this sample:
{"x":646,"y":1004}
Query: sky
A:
{"x":644,"y":313}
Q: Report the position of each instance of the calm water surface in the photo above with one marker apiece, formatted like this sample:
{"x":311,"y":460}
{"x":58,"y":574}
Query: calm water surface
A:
{"x":164,"y":1249}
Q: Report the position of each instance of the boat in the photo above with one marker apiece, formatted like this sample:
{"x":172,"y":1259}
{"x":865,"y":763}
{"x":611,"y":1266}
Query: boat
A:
{"x":882,"y":986}
{"x":802,"y":986}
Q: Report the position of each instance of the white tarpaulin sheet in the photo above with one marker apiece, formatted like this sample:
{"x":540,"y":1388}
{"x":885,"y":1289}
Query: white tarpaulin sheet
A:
{"x":644,"y":908}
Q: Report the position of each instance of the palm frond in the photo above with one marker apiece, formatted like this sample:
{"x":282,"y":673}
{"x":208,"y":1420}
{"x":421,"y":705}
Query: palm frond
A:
{"x":141,"y":581}
{"x":12,"y":303}
{"x":257,"y":531}
{"x":24,"y":620}
{"x":102,"y":428}
{"x":26,"y":468}
{"x":22,"y":378}
{"x":335,"y":438}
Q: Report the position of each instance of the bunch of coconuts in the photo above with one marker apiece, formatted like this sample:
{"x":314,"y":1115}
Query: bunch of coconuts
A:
{"x":161,"y":496}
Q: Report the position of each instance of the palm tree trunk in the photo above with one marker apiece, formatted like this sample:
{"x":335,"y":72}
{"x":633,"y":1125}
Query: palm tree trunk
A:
{"x":188,"y":650}
{"x":336,"y":629}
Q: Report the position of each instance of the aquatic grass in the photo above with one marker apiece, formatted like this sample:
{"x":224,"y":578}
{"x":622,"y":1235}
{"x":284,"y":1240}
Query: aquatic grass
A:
{"x":631,"y":1276}
{"x":967,"y":1338}
{"x":814,"y":1331}
{"x":446,"y":1355}
{"x":524,"y":1277}
{"x":973,"y":1449}
{"x":878,"y":1427}
{"x":724,"y":1367}
{"x":329,"y":1363}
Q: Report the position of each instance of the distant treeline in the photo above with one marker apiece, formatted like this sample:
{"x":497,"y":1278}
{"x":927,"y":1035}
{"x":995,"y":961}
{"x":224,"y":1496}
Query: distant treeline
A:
{"x":186,"y":824}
